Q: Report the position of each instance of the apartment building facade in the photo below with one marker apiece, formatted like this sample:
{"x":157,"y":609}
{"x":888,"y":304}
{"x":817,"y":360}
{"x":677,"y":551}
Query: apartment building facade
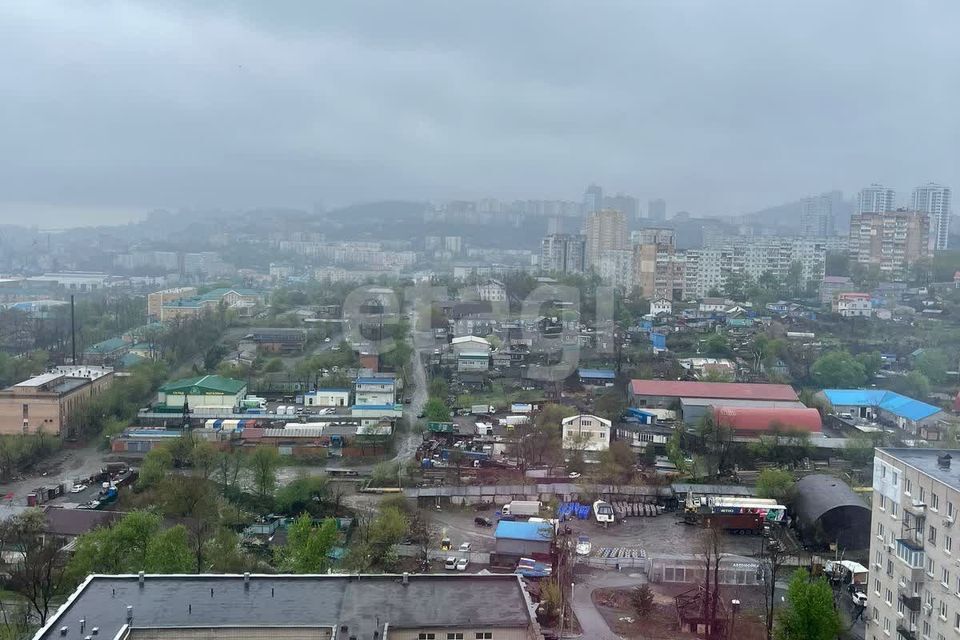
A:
{"x":934,"y":200}
{"x":657,"y":268}
{"x":914,"y":590}
{"x":890,"y":241}
{"x":605,"y":230}
{"x":562,"y":253}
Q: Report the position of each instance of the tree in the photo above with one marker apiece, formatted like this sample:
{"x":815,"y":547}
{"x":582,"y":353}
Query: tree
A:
{"x":169,"y":552}
{"x":809,"y":613}
{"x":39,"y":572}
{"x":871,"y":363}
{"x":774,"y":483}
{"x":302,"y":494}
{"x":611,"y":405}
{"x":436,"y":410}
{"x":192,"y":499}
{"x":642,"y":600}
{"x":933,"y":363}
{"x":616,"y":462}
{"x":156,"y":464}
{"x":716,"y":345}
{"x":308,"y":546}
{"x":914,"y":384}
{"x":717,"y":441}
{"x":263,"y":464}
{"x":838,"y":369}
{"x":438,"y":388}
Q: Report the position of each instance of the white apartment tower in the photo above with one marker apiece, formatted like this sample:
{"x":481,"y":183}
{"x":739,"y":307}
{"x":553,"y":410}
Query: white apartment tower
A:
{"x":934,"y":200}
{"x":817,"y":216}
{"x":605,"y":231}
{"x":876,"y":199}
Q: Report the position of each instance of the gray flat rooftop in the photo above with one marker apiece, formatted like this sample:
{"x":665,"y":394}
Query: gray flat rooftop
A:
{"x":359,"y":602}
{"x":926,"y":461}
{"x":770,"y":404}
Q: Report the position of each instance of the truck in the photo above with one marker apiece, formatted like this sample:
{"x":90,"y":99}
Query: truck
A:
{"x":734,"y":514}
{"x":482,"y":409}
{"x":603,"y":512}
{"x":253,"y":402}
{"x":522,"y":508}
{"x":738,"y":523}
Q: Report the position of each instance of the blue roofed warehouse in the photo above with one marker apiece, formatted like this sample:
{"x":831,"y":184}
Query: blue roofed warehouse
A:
{"x":887,"y":407}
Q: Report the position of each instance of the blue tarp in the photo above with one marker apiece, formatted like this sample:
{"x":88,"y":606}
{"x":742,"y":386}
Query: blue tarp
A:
{"x":605,"y":374}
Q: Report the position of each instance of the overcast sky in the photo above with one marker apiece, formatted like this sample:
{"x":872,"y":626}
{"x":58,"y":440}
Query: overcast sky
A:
{"x":110,"y":109}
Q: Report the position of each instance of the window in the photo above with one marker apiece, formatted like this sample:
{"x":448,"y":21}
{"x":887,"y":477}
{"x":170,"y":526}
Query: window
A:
{"x":943,"y":610}
{"x":880,"y":530}
{"x":949,"y":509}
{"x":894,"y":509}
{"x":883,"y":470}
{"x":888,"y":598}
{"x":922,"y":494}
{"x":896,"y":478}
{"x":945,"y":576}
{"x":484,"y":635}
{"x":930,"y":567}
{"x":932,"y":535}
{"x":907,"y":486}
{"x":956,"y":621}
{"x":878,"y":558}
{"x":900,"y":608}
{"x":886,"y":626}
{"x":948,"y":544}
{"x":427,"y":636}
{"x":934,"y":502}
{"x":883,"y":503}
{"x":455,"y":636}
{"x":876,"y":586}
{"x":926,"y":628}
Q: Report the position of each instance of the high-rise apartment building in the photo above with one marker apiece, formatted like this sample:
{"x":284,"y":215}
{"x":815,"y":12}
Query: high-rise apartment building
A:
{"x":657,"y":210}
{"x":592,"y":199}
{"x":562,"y":253}
{"x":817,"y":215}
{"x":605,"y":230}
{"x":891,"y":241}
{"x":914,"y":589}
{"x":615,"y":268}
{"x":934,"y":200}
{"x":620,"y":202}
{"x":876,"y":199}
{"x":656,"y":267}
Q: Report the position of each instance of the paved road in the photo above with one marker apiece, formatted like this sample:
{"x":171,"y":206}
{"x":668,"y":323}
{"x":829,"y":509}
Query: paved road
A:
{"x":592,"y":623}
{"x":408,"y":442}
{"x":62,"y":466}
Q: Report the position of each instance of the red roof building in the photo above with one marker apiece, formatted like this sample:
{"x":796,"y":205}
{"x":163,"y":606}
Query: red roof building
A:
{"x":720,"y":390}
{"x":756,"y":421}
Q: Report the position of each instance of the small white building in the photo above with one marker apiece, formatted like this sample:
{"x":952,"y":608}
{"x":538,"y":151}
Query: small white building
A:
{"x":586,"y":432}
{"x":492,"y":291}
{"x":327,"y":398}
{"x":661,"y":306}
{"x":853,"y":305}
{"x":473,"y":361}
{"x":375,"y":391}
{"x":472,"y":344}
{"x":710,"y":305}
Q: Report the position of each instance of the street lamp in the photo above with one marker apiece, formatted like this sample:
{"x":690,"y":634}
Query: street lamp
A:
{"x":734,"y":607}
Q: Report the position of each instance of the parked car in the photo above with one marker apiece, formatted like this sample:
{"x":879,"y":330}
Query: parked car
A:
{"x":584,"y":546}
{"x":480,"y":521}
{"x":450,"y":563}
{"x":464,"y":547}
{"x":462,"y":564}
{"x":859,"y":599}
{"x":77,"y":488}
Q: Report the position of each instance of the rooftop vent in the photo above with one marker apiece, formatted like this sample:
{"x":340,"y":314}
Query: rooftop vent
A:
{"x":246,"y":580}
{"x":95,"y":630}
{"x":406,"y":578}
{"x":129,"y":613}
{"x":63,"y":630}
{"x":944,"y":461}
{"x":140,"y":578}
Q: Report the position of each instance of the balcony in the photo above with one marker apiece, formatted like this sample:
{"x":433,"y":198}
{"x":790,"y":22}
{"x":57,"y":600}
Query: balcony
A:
{"x":912,"y":555}
{"x":915,"y":507}
{"x":907,"y":631}
{"x":910,"y":600}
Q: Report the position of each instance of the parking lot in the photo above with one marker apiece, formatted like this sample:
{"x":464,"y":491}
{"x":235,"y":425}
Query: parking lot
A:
{"x":661,"y":535}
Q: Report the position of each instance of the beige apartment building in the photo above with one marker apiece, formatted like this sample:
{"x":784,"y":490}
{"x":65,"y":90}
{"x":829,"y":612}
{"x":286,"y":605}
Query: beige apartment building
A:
{"x":47,"y":402}
{"x":605,"y":230}
{"x":157,"y":299}
{"x":891,"y":241}
{"x":914,"y":589}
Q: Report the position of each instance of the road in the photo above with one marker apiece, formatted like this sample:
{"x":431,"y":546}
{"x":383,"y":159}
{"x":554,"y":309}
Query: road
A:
{"x":63,"y":466}
{"x":407,"y":443}
{"x":592,"y":624}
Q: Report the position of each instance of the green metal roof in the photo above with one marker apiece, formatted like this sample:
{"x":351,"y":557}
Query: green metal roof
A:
{"x":107,"y":346}
{"x":204,"y":385}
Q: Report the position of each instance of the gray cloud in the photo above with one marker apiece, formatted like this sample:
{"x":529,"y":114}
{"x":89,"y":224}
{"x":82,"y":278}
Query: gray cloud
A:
{"x":718,"y":107}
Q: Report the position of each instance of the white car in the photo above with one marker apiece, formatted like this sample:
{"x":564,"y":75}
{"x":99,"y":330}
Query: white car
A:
{"x":859,"y":599}
{"x":450,"y":563}
{"x":77,"y":488}
{"x":465,"y":547}
{"x":327,"y":339}
{"x":462,"y":564}
{"x":584,"y":546}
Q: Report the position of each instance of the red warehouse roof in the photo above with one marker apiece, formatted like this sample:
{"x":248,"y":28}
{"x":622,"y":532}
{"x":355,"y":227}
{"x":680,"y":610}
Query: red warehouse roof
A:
{"x":751,"y":420}
{"x":724,"y":390}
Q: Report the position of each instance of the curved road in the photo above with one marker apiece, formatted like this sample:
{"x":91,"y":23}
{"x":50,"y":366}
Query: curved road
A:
{"x":592,"y":624}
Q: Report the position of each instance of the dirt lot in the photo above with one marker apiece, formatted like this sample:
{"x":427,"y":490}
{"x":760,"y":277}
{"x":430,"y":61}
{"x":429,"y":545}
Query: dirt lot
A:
{"x":614,"y":606}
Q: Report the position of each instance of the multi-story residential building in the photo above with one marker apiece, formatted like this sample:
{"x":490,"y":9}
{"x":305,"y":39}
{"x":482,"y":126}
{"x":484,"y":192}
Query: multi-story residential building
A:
{"x":620,"y":202}
{"x":205,"y":264}
{"x":586,"y":433}
{"x":492,"y":291}
{"x":615,"y":268}
{"x":241,"y":300}
{"x":657,"y":210}
{"x":876,"y":199}
{"x":853,"y":305}
{"x":934,"y":200}
{"x":157,"y":299}
{"x":891,"y":241}
{"x":817,"y":215}
{"x":47,"y":403}
{"x":562,"y":253}
{"x":604,"y":230}
{"x":592,"y":199}
{"x":707,"y":269}
{"x":914,"y":572}
{"x":656,"y":269}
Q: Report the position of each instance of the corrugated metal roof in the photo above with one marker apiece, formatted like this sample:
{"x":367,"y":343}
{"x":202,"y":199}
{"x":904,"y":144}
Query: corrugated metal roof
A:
{"x":760,"y":419}
{"x":606,"y":374}
{"x":745,"y":391}
{"x":891,"y":401}
{"x":533,"y":531}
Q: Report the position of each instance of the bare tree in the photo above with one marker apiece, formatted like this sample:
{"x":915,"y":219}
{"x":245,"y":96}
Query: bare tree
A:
{"x":38,"y":573}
